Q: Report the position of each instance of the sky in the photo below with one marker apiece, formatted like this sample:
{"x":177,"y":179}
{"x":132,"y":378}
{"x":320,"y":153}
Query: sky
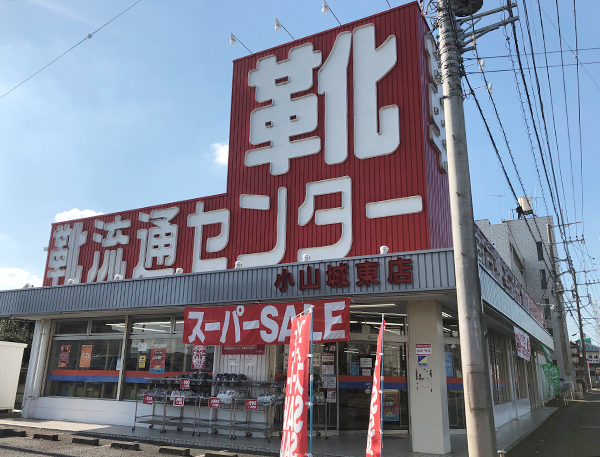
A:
{"x":138,"y":115}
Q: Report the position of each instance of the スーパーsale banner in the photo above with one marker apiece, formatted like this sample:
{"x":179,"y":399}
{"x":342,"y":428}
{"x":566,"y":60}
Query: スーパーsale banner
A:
{"x":374,"y":430}
{"x":295,"y":415}
{"x":264,"y":323}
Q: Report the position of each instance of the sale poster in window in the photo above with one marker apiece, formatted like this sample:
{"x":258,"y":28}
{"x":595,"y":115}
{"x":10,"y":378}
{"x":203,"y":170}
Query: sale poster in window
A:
{"x":391,"y":406}
{"x":158,"y":356}
{"x":198,"y":357}
{"x":65,"y":352}
{"x":85,"y":358}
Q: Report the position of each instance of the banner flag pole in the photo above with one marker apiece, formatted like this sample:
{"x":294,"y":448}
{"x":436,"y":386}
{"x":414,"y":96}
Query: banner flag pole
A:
{"x":311,"y":398}
{"x":382,"y":384}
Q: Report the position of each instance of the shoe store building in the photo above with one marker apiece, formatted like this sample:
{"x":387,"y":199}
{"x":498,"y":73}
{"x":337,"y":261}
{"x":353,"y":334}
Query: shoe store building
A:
{"x":337,"y":197}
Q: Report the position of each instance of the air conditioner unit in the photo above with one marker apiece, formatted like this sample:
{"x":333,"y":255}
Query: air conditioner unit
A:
{"x":525,"y":204}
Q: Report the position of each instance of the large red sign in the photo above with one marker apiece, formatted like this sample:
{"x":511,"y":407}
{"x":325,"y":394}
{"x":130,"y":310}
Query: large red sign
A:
{"x":336,"y":148}
{"x":295,"y":415}
{"x":374,"y":430}
{"x":264,"y":323}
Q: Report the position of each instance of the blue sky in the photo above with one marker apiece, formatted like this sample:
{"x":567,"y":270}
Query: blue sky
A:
{"x":139,"y":114}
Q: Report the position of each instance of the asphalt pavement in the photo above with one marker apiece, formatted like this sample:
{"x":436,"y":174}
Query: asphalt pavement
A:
{"x":570,"y":432}
{"x":28,"y":447}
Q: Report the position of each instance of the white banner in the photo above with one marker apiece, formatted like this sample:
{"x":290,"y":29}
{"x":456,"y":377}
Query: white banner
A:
{"x":523,"y":344}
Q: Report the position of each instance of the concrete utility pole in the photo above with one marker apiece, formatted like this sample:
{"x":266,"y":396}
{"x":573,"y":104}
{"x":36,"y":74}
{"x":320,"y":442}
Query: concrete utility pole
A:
{"x":561,"y":314}
{"x":581,"y":334}
{"x":479,"y":410}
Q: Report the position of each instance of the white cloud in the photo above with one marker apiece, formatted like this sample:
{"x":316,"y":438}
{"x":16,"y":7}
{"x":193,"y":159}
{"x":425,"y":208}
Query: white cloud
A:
{"x":15,"y":278}
{"x":220,"y":153}
{"x":75,"y":213}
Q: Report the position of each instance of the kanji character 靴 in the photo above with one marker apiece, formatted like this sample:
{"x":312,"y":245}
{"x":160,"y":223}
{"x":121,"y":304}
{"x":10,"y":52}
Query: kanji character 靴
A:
{"x":284,"y":117}
{"x":63,"y":260}
{"x":367,"y":273}
{"x":337,"y":276}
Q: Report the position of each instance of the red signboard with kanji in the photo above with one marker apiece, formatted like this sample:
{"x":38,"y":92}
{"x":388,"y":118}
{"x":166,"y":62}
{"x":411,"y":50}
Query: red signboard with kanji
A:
{"x":264,"y":323}
{"x":214,"y":402}
{"x":336,"y":149}
{"x":184,"y":384}
{"x":148,"y":400}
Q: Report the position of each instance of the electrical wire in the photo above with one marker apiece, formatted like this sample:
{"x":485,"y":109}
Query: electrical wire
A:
{"x":559,"y":161}
{"x":570,"y":49}
{"x":566,"y":114}
{"x":88,"y":37}
{"x":579,"y":115}
{"x":525,"y":53}
{"x":531,"y":68}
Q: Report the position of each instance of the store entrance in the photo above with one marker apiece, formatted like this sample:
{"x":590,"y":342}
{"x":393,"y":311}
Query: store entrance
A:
{"x":356,"y":362}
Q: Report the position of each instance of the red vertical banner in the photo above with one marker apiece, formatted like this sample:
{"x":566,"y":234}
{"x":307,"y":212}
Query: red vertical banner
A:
{"x":374,"y":431}
{"x":295,"y":422}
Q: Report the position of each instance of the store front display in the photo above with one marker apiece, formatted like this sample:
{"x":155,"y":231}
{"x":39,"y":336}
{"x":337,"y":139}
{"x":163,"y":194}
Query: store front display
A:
{"x":197,"y":321}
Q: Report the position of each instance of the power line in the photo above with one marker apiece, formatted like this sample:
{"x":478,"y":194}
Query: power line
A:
{"x":570,"y":49}
{"x":526,"y":53}
{"x":562,"y":184}
{"x":579,"y":115}
{"x":531,"y":68}
{"x":89,"y":36}
{"x":566,"y":115}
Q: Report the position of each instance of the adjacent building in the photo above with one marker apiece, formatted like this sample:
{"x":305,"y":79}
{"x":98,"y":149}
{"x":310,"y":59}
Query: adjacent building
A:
{"x":528,"y":246}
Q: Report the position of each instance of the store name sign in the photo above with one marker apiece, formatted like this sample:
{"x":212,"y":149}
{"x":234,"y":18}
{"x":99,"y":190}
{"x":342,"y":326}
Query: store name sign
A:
{"x":265,"y":323}
{"x":336,"y":148}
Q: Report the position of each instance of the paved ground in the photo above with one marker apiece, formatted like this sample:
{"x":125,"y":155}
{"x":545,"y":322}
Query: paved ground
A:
{"x":572,"y":431}
{"x":28,"y":447}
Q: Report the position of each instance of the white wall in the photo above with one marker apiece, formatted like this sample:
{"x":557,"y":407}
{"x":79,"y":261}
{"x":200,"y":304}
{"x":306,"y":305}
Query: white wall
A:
{"x":87,"y":410}
{"x":11,"y":356}
{"x":430,"y":428}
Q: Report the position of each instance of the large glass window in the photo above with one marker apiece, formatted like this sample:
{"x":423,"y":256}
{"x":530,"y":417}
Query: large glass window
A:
{"x":155,"y":349}
{"x":108,"y":326}
{"x":356,"y":364}
{"x":366,"y":322}
{"x":454,"y":385}
{"x":499,"y":367}
{"x":83,"y":368}
{"x":151,"y":326}
{"x":520,"y":373}
{"x":71,"y":327}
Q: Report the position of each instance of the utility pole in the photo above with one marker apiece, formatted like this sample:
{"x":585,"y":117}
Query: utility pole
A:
{"x":562,"y":321}
{"x":479,"y":410}
{"x":580,"y":322}
{"x":575,"y":293}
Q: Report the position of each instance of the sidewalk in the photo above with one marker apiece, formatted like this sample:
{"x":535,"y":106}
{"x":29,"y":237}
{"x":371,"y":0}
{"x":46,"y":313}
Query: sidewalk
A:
{"x":345,"y":445}
{"x":571,"y":432}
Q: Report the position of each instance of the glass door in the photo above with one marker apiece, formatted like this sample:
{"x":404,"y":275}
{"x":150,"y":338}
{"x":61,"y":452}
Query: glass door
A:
{"x":356,"y":363}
